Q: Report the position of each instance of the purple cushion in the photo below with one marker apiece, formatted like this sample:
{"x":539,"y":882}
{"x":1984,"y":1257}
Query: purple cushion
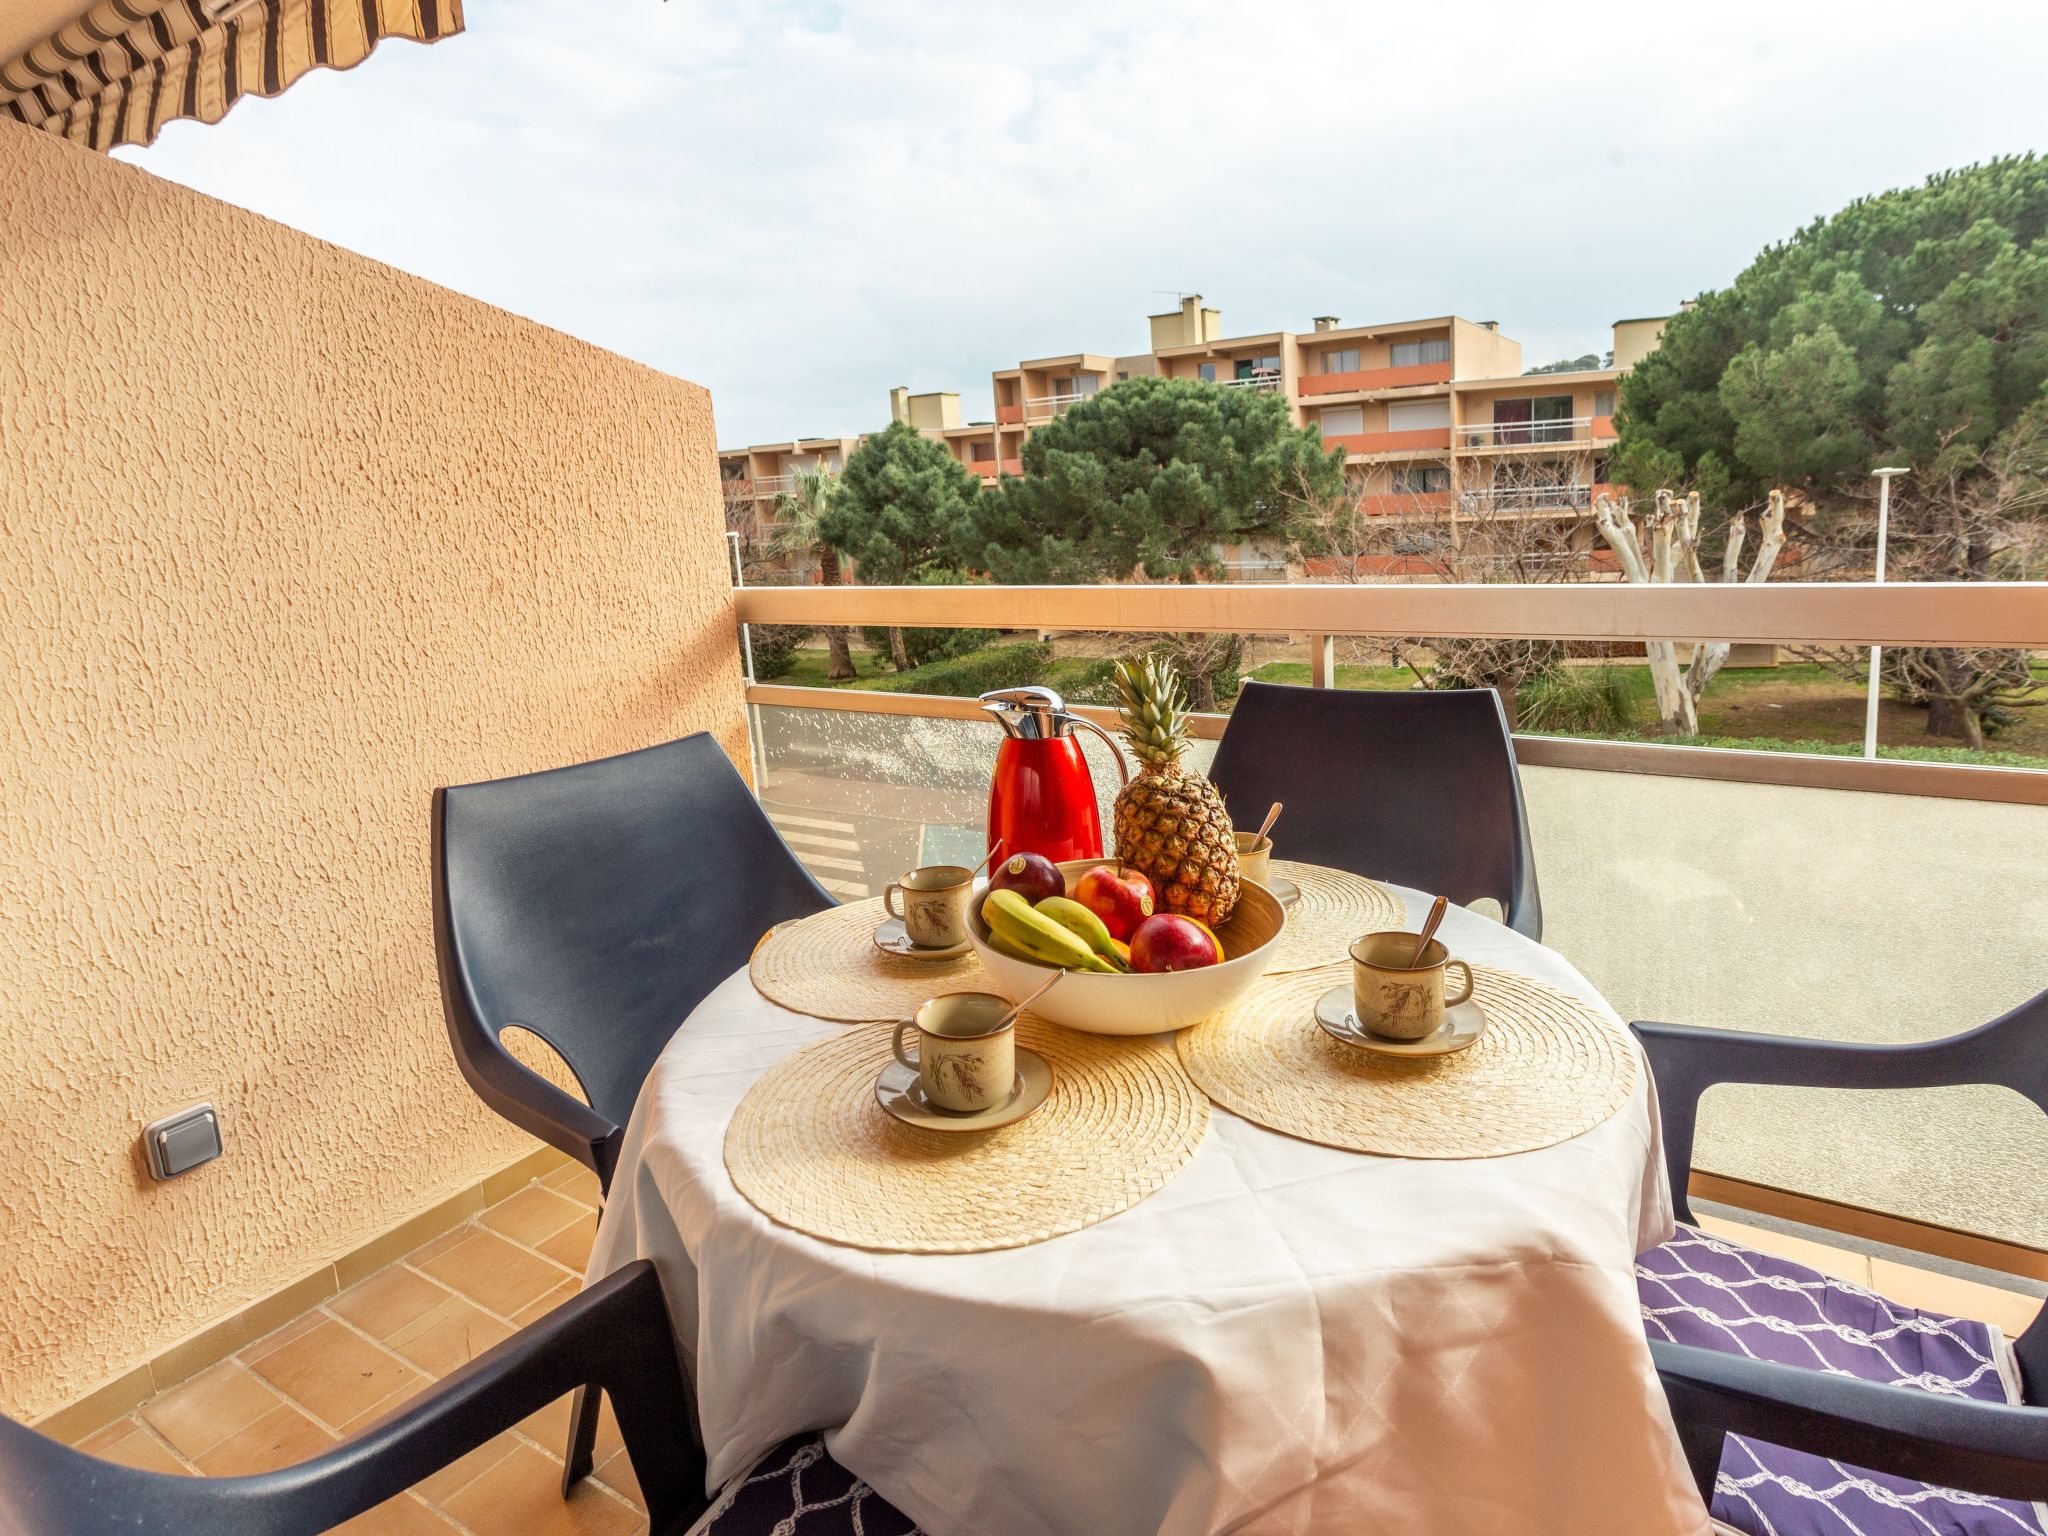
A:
{"x":1698,"y":1289}
{"x":797,"y":1489}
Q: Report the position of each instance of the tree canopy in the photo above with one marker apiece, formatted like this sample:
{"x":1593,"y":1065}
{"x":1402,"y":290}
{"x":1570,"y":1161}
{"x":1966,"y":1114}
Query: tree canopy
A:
{"x":1911,"y":328}
{"x":1149,"y":477}
{"x":904,"y":509}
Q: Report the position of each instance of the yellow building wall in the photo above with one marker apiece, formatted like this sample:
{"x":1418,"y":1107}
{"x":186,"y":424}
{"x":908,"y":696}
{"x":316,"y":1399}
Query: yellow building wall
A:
{"x":1479,"y":353}
{"x":1635,"y":340}
{"x":291,"y":538}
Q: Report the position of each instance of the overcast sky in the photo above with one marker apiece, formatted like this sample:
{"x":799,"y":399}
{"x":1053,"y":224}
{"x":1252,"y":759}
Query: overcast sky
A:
{"x":800,"y":205}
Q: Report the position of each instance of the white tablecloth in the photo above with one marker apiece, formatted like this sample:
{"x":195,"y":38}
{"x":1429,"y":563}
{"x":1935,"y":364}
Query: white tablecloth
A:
{"x":1286,"y":1338}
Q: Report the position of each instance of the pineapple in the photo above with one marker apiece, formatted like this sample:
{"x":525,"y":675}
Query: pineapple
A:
{"x":1170,"y":821}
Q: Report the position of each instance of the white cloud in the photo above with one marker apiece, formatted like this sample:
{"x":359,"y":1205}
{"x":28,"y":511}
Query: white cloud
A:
{"x":803,"y":204}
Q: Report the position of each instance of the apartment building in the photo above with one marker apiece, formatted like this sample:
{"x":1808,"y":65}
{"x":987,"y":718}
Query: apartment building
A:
{"x":1435,"y":415}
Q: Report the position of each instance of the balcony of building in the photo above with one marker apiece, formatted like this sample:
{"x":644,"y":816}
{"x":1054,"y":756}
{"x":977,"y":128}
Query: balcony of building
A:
{"x":1394,"y":444}
{"x":1373,"y":380}
{"x":305,"y":860}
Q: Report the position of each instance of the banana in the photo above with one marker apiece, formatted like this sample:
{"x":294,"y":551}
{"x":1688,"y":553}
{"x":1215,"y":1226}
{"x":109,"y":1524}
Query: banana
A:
{"x":1077,"y":919}
{"x":1009,"y":916}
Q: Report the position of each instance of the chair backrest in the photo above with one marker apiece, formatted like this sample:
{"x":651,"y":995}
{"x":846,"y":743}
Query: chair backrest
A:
{"x":597,"y":905}
{"x":1418,"y":787}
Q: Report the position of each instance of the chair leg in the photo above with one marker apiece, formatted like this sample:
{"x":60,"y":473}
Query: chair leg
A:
{"x":582,"y":1437}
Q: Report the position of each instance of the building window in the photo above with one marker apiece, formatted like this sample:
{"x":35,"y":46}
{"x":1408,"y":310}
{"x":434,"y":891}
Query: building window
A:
{"x":1258,"y":367}
{"x":1603,"y":402}
{"x":1420,"y":479}
{"x":1340,"y":360}
{"x":1342,"y":421}
{"x":1418,"y":415}
{"x":981,"y":453}
{"x":1122,"y":374}
{"x":1533,"y":419}
{"x":1208,"y":373}
{"x":1412,"y":354}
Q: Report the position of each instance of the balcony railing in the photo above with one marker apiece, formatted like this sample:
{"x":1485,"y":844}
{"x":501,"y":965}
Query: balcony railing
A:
{"x":1009,"y":415}
{"x":773,"y":485}
{"x":1716,"y":886}
{"x":1411,"y":441}
{"x":1259,"y":381}
{"x":986,"y":468}
{"x":1527,"y":498}
{"x":1045,"y":407}
{"x":1525,"y":434}
{"x":1013,"y":466}
{"x":1413,"y":376}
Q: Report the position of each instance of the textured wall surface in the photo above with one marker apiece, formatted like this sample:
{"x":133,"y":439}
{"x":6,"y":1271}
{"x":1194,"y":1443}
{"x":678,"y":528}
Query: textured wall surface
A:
{"x":290,"y":538}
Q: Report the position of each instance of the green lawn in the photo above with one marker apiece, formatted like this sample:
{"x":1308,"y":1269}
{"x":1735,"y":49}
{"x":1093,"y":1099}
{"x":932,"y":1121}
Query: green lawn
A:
{"x":1794,"y":708}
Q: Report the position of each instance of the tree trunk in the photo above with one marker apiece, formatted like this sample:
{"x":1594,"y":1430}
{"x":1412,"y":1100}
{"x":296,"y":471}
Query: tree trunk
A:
{"x":1201,"y":685}
{"x":899,"y":657}
{"x":839,"y":666}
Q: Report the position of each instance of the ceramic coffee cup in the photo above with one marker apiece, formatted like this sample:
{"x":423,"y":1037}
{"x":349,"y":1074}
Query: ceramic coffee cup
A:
{"x":934,"y":909}
{"x":1255,"y":857}
{"x":1395,"y":999}
{"x":966,"y":1051}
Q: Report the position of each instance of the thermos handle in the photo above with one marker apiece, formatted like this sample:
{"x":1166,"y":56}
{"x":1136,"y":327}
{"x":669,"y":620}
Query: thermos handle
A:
{"x":1123,"y":768}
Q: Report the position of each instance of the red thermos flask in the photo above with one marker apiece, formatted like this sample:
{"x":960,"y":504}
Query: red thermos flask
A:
{"x":1041,"y":798}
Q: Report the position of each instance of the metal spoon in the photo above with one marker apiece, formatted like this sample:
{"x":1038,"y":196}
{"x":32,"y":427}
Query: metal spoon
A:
{"x":1034,"y":997}
{"x":1266,"y":826}
{"x":994,"y":848}
{"x":1437,"y":909}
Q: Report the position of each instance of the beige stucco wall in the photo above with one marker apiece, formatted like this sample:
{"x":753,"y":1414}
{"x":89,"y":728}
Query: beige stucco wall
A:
{"x":1635,"y":340}
{"x":1817,"y":912}
{"x":290,"y":538}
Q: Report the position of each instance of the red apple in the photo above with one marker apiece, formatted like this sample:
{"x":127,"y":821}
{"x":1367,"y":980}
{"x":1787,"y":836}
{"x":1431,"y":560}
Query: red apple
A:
{"x":1031,"y":875}
{"x":1168,"y":942}
{"x":1122,"y":898}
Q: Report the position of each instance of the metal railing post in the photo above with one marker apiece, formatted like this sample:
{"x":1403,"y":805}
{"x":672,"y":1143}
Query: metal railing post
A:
{"x":1884,"y":519}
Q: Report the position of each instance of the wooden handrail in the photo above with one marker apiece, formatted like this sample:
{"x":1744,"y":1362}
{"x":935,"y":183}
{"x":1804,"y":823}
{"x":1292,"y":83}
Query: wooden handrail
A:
{"x":1788,"y":613}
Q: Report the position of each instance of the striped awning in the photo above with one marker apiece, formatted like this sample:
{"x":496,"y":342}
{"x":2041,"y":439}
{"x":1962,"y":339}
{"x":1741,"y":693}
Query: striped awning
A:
{"x":115,"y":72}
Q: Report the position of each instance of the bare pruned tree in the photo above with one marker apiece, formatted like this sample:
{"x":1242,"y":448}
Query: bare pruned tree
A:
{"x":1520,"y":516}
{"x":1666,"y":549}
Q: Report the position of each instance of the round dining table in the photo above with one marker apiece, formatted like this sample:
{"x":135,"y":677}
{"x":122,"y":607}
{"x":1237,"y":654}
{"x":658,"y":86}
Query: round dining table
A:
{"x":1286,"y":1337}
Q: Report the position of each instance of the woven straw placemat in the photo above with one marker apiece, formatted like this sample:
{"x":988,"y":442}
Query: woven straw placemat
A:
{"x":1336,"y":906}
{"x":827,"y":965}
{"x":1547,"y":1068}
{"x":811,"y":1148}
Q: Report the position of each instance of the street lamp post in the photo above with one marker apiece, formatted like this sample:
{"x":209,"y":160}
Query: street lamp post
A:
{"x":1884,"y":522}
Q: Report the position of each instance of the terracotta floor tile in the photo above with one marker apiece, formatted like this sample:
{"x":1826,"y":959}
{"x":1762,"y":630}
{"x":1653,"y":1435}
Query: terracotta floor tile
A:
{"x":522,"y":1496}
{"x":618,"y":1475}
{"x":541,"y":1306}
{"x":498,"y":1276}
{"x":388,"y":1301}
{"x":279,"y":1438}
{"x":220,"y":1401}
{"x":570,"y":1247}
{"x":463,"y":1471}
{"x":336,"y":1373}
{"x":1839,"y":1262}
{"x":577,"y":1182}
{"x":454,"y":1237}
{"x":532,"y":1215}
{"x":402,"y":1516}
{"x":549,"y":1425}
{"x":451,"y":1335}
{"x":126,"y":1441}
{"x":1953,"y":1296}
{"x":277,"y":1338}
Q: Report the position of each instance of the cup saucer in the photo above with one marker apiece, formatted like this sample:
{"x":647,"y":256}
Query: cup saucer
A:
{"x":892,"y":939}
{"x":899,"y":1092}
{"x":1284,"y":890}
{"x":1463,"y":1023}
